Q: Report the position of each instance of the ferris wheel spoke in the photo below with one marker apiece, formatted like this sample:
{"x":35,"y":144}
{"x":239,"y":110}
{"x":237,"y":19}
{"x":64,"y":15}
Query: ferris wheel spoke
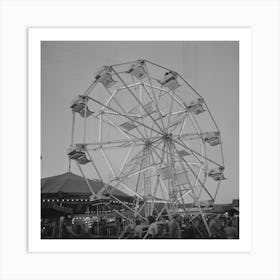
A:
{"x":158,"y":183}
{"x":180,"y":199}
{"x":163,"y":92}
{"x":154,"y":101}
{"x":136,"y":172}
{"x":103,"y":152}
{"x":127,"y":115}
{"x":179,"y":121}
{"x":130,"y":190}
{"x":108,"y":162}
{"x":142,"y":117}
{"x":161,"y":89}
{"x":190,"y":151}
{"x":161,"y":158}
{"x":189,"y":136}
{"x":117,"y":181}
{"x":200,"y":192}
{"x":123,"y":115}
{"x":134,"y":162}
{"x":193,"y":120}
{"x":192,"y":191}
{"x":115,"y":143}
{"x":172,"y":188}
{"x":125,"y":132}
{"x":85,"y":178}
{"x":138,"y":101}
{"x":120,"y":128}
{"x":182,"y":127}
{"x":216,"y":192}
{"x":151,"y":131}
{"x":164,"y":189}
{"x":169,"y":117}
{"x":162,"y":184}
{"x":168,"y":153}
{"x":139,"y":175}
{"x":196,"y":153}
{"x":126,"y":159}
{"x":109,"y":123}
{"x":161,"y":162}
{"x":198,"y":176}
{"x":187,"y":192}
{"x":116,"y":147}
{"x":193,"y":136}
{"x":94,"y":166}
{"x":151,"y":117}
{"x":157,"y":180}
{"x":189,"y":167}
{"x":131,"y":172}
{"x":112,"y":97}
{"x":175,"y":181}
{"x":132,"y":120}
{"x":164,"y":160}
{"x":174,"y":97}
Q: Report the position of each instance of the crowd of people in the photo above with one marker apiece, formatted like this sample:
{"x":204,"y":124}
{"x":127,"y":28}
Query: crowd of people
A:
{"x":177,"y":227}
{"x":185,"y":227}
{"x":65,"y":227}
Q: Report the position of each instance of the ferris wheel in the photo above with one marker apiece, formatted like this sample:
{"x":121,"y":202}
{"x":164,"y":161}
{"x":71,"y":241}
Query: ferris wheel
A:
{"x":143,"y":129}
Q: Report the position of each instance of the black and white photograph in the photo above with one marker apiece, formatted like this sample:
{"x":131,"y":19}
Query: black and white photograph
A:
{"x":140,"y":140}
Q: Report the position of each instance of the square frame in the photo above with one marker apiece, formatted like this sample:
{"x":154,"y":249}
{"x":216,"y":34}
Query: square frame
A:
{"x":243,"y":35}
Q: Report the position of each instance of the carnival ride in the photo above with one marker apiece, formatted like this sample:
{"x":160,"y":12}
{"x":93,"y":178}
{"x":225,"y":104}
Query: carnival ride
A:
{"x":143,"y":129}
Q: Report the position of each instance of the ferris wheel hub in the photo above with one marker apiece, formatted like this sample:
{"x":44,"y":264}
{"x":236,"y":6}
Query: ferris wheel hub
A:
{"x":148,"y":143}
{"x":167,"y":136}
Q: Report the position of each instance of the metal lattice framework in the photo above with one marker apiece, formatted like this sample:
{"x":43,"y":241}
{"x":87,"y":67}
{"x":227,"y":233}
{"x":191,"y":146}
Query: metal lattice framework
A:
{"x":144,"y":129}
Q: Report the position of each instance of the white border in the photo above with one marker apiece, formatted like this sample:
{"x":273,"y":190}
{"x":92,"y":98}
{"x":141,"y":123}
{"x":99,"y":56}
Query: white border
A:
{"x":243,"y":35}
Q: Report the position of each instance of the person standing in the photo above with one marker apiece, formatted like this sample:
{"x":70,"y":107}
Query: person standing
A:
{"x":215,"y":228}
{"x":174,"y":227}
{"x":188,"y":231}
{"x":138,"y":229}
{"x":153,"y":228}
{"x":230,"y":231}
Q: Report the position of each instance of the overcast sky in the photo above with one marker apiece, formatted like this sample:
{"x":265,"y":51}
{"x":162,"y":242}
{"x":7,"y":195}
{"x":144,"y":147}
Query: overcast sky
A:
{"x":68,"y":68}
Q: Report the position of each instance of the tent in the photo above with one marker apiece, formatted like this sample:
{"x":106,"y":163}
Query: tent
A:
{"x":69,"y":193}
{"x":71,"y":185}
